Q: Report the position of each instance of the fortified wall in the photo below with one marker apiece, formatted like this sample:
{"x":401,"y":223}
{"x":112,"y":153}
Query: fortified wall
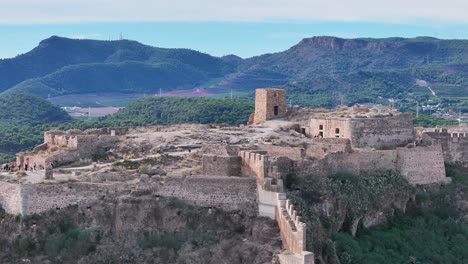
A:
{"x":228,"y":193}
{"x":422,"y":165}
{"x":373,"y":131}
{"x":272,"y":203}
{"x":454,"y":144}
{"x":27,"y":199}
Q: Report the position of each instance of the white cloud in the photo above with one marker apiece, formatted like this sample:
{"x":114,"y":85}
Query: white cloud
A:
{"x":69,"y":11}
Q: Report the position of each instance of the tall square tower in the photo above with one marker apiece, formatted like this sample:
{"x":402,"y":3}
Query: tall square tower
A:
{"x":270,"y":103}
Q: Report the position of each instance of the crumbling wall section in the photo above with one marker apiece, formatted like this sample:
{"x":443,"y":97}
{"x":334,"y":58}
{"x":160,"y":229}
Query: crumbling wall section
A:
{"x":214,"y":165}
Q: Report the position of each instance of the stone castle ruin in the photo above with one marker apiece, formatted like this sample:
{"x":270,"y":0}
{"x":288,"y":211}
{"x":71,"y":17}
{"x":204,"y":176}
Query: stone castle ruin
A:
{"x":234,"y":168}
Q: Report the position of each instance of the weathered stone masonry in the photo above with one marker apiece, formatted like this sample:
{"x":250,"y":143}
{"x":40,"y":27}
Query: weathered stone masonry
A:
{"x":269,"y":104}
{"x":228,"y":193}
{"x":377,"y":132}
{"x":29,"y":199}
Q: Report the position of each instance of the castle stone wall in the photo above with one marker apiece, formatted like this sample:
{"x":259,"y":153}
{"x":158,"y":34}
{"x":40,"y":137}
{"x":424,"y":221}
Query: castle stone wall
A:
{"x":454,"y":145}
{"x":37,"y":198}
{"x":266,"y":100}
{"x":29,"y":199}
{"x":422,"y":165}
{"x":254,"y":164}
{"x":383,"y":133}
{"x":380,"y":133}
{"x":327,"y":128}
{"x":227,"y":193}
{"x":355,"y":162}
{"x":214,"y":165}
{"x":323,"y":146}
{"x":294,"y":153}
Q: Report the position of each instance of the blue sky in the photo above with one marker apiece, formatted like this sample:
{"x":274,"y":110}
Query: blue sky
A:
{"x":219,"y":27}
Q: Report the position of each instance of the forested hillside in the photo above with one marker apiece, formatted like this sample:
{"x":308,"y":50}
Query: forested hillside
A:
{"x":172,"y":110}
{"x":66,"y":66}
{"x":318,"y":71}
{"x":27,"y":110}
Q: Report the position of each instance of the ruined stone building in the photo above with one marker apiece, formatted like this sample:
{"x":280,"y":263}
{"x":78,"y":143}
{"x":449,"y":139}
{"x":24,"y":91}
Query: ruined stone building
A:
{"x":269,"y":104}
{"x":243,"y":168}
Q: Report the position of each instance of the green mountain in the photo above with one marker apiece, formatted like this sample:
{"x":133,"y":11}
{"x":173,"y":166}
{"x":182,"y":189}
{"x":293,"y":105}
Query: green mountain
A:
{"x":61,"y":66}
{"x":318,"y":71}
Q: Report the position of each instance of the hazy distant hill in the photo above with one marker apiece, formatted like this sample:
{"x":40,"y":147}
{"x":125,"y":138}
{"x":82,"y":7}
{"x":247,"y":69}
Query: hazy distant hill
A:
{"x":319,"y":71}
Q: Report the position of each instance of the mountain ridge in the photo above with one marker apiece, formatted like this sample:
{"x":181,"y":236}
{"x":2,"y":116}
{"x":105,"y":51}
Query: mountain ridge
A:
{"x":323,"y":66}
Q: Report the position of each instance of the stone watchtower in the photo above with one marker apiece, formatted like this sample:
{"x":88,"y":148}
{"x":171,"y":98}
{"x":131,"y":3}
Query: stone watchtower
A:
{"x":270,"y":103}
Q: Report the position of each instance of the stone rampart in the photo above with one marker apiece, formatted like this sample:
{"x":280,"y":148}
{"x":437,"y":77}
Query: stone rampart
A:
{"x":454,"y":145}
{"x":355,"y":162}
{"x":254,"y":164}
{"x":292,"y":229}
{"x":227,"y":193}
{"x":29,"y":199}
{"x":386,"y":132}
{"x":37,"y":198}
{"x":214,"y":165}
{"x":293,"y":153}
{"x":383,"y":133}
{"x":422,"y":165}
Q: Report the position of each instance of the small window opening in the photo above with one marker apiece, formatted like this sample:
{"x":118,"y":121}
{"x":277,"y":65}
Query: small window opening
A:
{"x":275,"y":110}
{"x":320,"y":127}
{"x":337,"y":130}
